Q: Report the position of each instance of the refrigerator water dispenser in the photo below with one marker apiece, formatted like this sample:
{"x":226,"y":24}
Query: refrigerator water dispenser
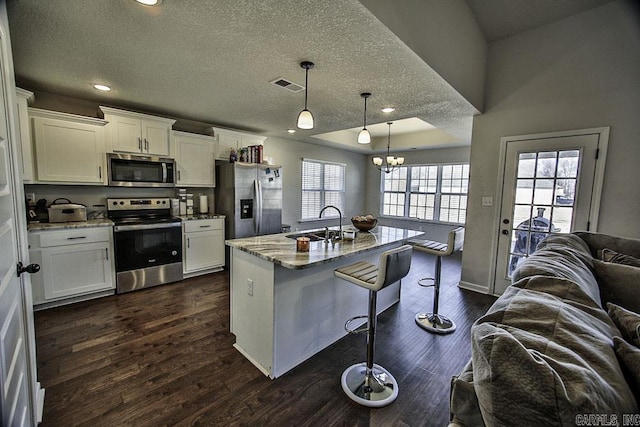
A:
{"x":246,"y":208}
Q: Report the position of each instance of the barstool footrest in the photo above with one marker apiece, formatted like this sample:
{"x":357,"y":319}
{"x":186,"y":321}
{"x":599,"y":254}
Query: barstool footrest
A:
{"x":358,"y":330}
{"x":424,"y":282}
{"x":435,"y":323}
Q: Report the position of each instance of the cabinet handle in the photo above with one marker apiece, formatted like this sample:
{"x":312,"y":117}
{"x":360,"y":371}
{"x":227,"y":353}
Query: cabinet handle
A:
{"x":146,"y":145}
{"x":76,"y":238}
{"x":188,"y":242}
{"x":139,"y":143}
{"x":106,"y":251}
{"x":178,"y":175}
{"x":100,"y":171}
{"x":205,"y":226}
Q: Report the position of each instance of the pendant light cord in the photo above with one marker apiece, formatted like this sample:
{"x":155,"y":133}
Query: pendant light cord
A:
{"x":365,"y":112}
{"x":306,"y":86}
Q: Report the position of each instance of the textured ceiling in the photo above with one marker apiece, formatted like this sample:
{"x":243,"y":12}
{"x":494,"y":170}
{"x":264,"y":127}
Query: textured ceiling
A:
{"x":212,"y":62}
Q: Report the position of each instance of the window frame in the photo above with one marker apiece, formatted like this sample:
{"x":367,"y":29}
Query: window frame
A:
{"x":323,"y":190}
{"x":438,"y":194}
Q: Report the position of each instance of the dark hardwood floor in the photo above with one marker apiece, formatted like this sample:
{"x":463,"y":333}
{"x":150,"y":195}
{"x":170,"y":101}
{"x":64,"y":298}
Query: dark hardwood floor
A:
{"x":164,"y":356}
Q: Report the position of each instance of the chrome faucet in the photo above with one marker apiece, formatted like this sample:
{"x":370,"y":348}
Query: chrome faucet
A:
{"x":340,"y":218}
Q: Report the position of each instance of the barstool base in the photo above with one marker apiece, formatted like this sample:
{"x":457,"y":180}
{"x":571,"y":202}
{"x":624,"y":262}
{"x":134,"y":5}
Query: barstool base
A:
{"x":435,"y":323}
{"x":375,"y":392}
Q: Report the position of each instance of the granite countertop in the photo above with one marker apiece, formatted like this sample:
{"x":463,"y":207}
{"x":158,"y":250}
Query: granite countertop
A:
{"x":38,"y":226}
{"x":201,"y":216}
{"x":281,"y":250}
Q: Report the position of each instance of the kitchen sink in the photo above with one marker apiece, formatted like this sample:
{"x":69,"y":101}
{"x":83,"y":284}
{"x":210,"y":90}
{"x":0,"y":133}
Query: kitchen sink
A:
{"x":313,"y":236}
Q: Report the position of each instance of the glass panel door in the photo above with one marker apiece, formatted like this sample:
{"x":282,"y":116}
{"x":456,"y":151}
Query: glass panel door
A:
{"x":547,"y":188}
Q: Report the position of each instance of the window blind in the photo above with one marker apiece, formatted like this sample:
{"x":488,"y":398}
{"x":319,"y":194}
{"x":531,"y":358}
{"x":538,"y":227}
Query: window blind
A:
{"x":428,"y":192}
{"x":323,"y":183}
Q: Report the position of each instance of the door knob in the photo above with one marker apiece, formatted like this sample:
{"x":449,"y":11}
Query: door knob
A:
{"x":31,"y":268}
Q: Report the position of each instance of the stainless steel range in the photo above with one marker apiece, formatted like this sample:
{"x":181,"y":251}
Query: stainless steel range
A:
{"x":147,"y":243}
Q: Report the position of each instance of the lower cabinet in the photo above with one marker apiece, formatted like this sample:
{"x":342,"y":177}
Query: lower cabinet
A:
{"x":203,"y":246}
{"x":76,"y":264}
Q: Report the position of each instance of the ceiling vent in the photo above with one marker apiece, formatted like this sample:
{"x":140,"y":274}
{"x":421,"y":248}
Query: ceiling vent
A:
{"x":291,"y":86}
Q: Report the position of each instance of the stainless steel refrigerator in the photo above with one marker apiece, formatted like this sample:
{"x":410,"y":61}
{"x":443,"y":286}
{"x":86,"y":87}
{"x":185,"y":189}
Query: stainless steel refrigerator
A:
{"x":250,"y":196}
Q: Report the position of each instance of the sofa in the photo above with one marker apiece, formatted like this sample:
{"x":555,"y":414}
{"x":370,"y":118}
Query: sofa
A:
{"x":561,"y":345}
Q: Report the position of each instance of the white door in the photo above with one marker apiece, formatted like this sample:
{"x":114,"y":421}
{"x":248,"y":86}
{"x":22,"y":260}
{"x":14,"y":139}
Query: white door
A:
{"x":71,"y":270}
{"x":204,"y":249}
{"x":16,"y":369}
{"x":155,"y":138}
{"x":196,"y":164}
{"x":551,"y":185}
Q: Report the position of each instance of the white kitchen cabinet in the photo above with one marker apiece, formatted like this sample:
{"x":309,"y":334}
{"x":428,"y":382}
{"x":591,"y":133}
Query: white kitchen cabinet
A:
{"x":227,"y":140}
{"x":131,"y":132}
{"x":203,"y":246}
{"x":194,"y":155}
{"x":25,"y":98}
{"x":75,"y":264}
{"x":69,"y":149}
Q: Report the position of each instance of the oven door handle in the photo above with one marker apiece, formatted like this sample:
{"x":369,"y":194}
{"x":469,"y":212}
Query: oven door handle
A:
{"x":134,"y":227}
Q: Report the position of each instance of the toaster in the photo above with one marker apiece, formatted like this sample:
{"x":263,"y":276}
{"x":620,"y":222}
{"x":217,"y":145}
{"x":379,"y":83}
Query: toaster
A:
{"x":66,"y":212}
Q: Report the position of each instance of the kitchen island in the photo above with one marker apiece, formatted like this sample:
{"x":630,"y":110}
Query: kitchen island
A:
{"x":286,"y":305}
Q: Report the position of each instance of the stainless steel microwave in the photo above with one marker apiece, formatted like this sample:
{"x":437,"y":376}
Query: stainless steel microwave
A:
{"x":128,"y":170}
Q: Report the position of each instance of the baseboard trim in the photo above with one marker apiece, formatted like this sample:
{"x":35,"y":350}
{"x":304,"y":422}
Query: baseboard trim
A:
{"x":473,"y":287}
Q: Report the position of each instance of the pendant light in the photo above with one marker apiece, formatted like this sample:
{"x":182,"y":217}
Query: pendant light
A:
{"x":305,"y":118}
{"x":389,"y":163}
{"x":364,"y":137}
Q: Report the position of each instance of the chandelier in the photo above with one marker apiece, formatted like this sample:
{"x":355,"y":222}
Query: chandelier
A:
{"x":389,"y":163}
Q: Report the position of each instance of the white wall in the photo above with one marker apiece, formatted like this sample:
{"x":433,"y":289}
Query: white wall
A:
{"x":433,"y":231}
{"x":580,"y":72}
{"x":290,"y":153}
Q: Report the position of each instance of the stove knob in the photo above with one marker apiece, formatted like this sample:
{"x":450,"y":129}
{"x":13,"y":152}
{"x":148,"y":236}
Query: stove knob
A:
{"x":115,"y":203}
{"x":157,"y":202}
{"x":121,"y":202}
{"x":174,"y":253}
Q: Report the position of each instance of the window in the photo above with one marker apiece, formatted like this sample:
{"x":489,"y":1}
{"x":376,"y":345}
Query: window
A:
{"x":322,"y":184}
{"x":429,"y":192}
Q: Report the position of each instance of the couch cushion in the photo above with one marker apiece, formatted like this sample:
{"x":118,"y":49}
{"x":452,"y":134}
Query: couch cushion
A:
{"x":563,"y":255}
{"x":612,"y":256}
{"x":627,"y":322}
{"x":619,"y":284}
{"x":463,"y":401}
{"x":544,"y":353}
{"x":599,"y":241}
{"x":629,"y":356}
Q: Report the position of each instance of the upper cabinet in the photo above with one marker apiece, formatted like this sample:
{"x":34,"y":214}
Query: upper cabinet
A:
{"x":69,"y":149}
{"x":25,"y":98}
{"x":131,"y":132}
{"x":227,"y":140}
{"x":194,"y":155}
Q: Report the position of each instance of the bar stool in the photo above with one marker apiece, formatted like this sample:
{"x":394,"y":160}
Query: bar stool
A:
{"x":367,"y":383}
{"x":435,"y":322}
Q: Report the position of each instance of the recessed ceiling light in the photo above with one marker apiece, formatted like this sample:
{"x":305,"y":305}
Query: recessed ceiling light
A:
{"x":291,"y":130}
{"x":149,"y":2}
{"x":388,"y":110}
{"x":103,"y":88}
